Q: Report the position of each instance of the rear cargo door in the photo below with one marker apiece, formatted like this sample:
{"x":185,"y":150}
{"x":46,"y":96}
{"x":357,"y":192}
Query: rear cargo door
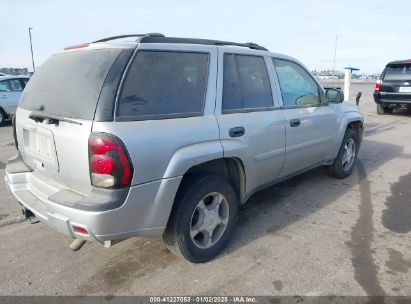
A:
{"x":396,"y":83}
{"x":56,"y":113}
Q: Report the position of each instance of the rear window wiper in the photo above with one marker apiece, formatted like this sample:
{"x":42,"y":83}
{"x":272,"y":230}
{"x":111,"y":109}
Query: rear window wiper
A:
{"x":51,"y":119}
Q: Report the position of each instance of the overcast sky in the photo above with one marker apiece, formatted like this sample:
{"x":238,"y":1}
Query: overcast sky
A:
{"x":370,"y":33}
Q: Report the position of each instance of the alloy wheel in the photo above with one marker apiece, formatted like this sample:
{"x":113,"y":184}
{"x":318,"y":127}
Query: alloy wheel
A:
{"x":209,"y":220}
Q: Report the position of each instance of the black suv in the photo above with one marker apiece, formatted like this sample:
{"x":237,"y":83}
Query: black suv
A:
{"x":393,"y":90}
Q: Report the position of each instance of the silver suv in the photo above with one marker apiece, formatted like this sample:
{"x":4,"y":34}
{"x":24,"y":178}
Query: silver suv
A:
{"x":142,"y":135}
{"x":11,"y":88}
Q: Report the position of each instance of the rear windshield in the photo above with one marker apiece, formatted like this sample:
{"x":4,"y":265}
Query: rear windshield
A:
{"x":398,"y":72}
{"x":164,"y":84}
{"x":69,"y":84}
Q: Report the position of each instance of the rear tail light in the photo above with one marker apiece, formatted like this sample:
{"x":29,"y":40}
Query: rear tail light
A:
{"x":110,"y":165}
{"x":378,"y":85}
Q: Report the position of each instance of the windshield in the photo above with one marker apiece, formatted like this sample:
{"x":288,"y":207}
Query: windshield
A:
{"x":68,"y":84}
{"x":398,"y":72}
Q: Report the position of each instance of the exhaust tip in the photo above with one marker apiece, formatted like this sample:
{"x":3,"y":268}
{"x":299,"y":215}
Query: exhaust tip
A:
{"x":77,"y":244}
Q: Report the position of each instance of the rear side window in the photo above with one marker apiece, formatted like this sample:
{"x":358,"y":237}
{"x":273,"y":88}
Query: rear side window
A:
{"x":16,"y":85}
{"x":69,"y":84}
{"x":246,"y":83}
{"x":398,"y":72}
{"x":24,"y":82}
{"x":164,"y":84}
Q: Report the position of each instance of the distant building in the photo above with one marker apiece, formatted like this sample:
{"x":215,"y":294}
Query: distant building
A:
{"x":328,"y":75}
{"x":375,"y":76}
{"x":15,"y":71}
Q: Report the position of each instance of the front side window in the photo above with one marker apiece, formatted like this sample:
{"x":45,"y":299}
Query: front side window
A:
{"x":5,"y":86}
{"x":245,"y":83}
{"x":298,"y":88}
{"x":163,"y":84}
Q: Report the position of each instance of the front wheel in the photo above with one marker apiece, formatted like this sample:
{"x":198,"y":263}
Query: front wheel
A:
{"x":344,"y":163}
{"x":202,"y":219}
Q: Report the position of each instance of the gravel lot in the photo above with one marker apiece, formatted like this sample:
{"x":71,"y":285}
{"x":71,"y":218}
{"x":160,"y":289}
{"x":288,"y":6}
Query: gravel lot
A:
{"x":311,"y":235}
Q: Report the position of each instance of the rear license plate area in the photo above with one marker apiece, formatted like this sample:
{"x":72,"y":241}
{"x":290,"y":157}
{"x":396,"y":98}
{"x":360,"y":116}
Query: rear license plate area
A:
{"x":39,"y":147}
{"x":404,"y":90}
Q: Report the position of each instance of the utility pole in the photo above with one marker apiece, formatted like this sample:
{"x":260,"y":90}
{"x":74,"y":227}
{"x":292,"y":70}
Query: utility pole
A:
{"x":31,"y":47}
{"x":335,"y":53}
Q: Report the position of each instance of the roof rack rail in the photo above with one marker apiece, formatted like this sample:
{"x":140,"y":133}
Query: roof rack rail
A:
{"x":163,"y":39}
{"x":250,"y":45}
{"x":160,"y":38}
{"x":130,"y":35}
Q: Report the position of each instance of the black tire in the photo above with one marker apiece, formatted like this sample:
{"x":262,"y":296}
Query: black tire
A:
{"x":2,"y":117}
{"x":381,"y":110}
{"x":177,"y":234}
{"x":337,"y":169}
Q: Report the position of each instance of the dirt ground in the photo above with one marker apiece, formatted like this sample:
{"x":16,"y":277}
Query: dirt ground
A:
{"x":311,"y":235}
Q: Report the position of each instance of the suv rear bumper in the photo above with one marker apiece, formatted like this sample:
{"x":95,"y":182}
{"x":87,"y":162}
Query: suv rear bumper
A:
{"x":392,"y":99}
{"x":140,"y":210}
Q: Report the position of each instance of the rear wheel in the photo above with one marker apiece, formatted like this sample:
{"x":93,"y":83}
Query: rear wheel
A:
{"x":344,"y":163}
{"x":381,"y":110}
{"x":202,"y":219}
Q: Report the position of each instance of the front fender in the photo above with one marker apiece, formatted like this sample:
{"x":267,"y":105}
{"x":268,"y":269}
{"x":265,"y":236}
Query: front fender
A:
{"x":347,"y":117}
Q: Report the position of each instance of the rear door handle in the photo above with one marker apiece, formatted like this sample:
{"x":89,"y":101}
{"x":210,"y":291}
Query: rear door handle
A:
{"x":236,"y":132}
{"x":295,"y":122}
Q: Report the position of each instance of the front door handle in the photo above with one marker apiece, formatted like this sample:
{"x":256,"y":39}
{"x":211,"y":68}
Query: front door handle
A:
{"x":236,"y":132}
{"x":295,"y":122}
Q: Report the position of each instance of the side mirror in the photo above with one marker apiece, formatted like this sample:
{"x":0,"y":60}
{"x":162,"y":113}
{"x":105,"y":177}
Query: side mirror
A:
{"x":334,"y":96}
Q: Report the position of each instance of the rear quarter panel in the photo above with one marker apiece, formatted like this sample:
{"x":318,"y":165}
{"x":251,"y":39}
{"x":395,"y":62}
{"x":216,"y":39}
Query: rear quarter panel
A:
{"x":168,"y":147}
